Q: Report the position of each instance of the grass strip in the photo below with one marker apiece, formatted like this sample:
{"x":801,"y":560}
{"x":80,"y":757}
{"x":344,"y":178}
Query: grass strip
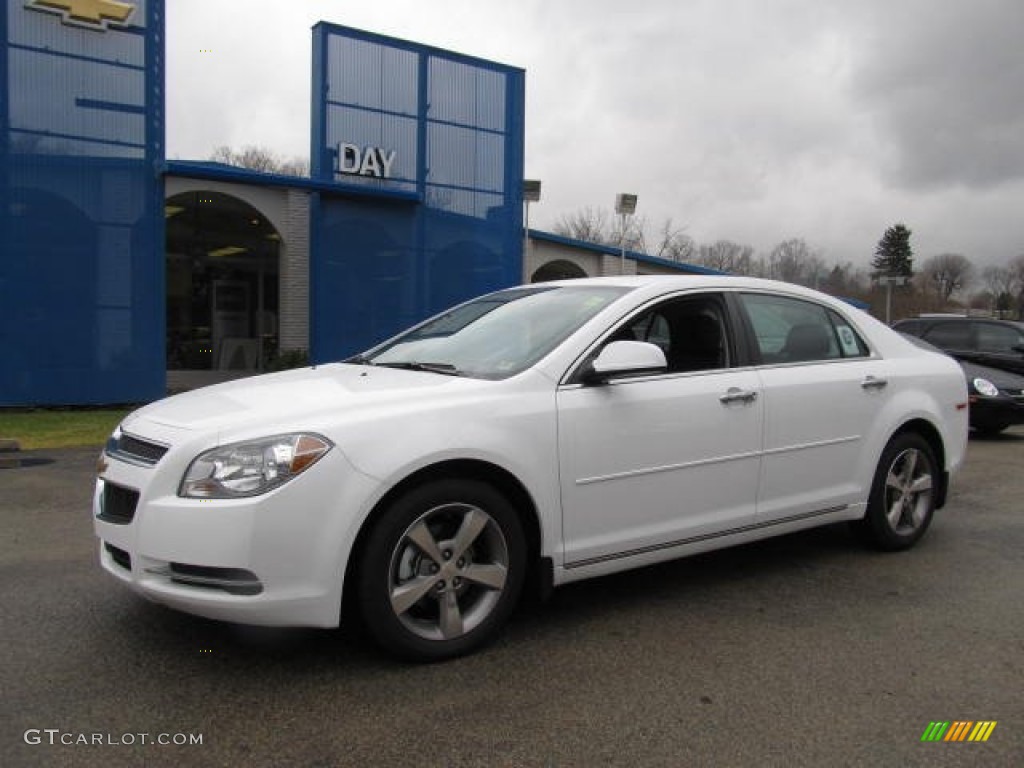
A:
{"x":59,"y":428}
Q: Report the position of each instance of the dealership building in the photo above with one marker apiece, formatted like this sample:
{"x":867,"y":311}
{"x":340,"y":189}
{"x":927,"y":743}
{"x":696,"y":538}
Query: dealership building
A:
{"x":122,"y":272}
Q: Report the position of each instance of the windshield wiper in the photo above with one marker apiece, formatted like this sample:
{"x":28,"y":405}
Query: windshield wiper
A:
{"x":446,"y":369}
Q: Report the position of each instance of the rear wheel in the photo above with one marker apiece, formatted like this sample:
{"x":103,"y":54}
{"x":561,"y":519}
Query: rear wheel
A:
{"x":442,"y":570}
{"x":903,"y":494}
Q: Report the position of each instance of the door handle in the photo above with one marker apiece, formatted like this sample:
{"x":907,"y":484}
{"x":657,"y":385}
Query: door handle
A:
{"x":737,"y":395}
{"x":872,"y":383}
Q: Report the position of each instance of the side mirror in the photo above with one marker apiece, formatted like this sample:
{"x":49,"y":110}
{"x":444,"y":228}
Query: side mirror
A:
{"x":625,"y":358}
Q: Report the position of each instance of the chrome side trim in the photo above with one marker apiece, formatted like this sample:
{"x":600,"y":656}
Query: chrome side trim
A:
{"x":667,"y":468}
{"x":716,"y":460}
{"x":816,"y":444}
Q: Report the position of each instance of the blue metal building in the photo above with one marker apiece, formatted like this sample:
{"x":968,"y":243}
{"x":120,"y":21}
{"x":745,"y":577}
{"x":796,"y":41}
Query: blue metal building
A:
{"x":81,"y":208}
{"x":415,"y":200}
{"x":426,"y":147}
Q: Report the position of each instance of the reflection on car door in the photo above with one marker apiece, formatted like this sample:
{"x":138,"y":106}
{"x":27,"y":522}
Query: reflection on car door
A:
{"x":653,"y":462}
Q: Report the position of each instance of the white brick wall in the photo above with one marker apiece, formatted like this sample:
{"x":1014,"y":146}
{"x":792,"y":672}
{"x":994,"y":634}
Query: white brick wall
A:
{"x":613,"y":265}
{"x":293,"y":322}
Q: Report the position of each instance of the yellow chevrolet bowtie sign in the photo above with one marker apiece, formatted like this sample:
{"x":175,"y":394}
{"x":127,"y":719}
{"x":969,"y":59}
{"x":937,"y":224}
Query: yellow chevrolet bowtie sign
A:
{"x":95,"y":14}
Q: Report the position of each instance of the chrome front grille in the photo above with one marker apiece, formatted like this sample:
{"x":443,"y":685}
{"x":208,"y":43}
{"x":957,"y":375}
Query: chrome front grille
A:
{"x":135,"y":450}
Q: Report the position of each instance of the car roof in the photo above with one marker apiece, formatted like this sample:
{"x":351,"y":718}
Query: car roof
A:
{"x":681,"y":282}
{"x":652,"y":285}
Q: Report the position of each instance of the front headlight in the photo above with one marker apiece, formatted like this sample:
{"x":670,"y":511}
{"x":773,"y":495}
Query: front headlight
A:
{"x":251,"y":468}
{"x":985,"y":387}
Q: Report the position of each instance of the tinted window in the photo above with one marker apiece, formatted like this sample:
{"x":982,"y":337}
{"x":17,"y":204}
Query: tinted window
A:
{"x":908,"y":326}
{"x":997,"y":338}
{"x":952,"y":335}
{"x":791,"y":330}
{"x":691,"y":331}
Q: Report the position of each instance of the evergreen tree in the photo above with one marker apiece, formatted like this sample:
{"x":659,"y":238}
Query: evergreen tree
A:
{"x":893,"y":256}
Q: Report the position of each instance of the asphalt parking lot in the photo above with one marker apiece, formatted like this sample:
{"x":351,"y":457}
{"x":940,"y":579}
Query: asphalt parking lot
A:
{"x":805,"y":650}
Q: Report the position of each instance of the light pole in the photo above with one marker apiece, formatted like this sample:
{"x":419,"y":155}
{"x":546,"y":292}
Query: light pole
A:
{"x":889,"y":281}
{"x":531,"y":194}
{"x":625,"y":205}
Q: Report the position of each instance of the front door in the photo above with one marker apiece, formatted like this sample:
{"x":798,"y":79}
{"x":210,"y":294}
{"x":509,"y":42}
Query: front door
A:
{"x":663,"y":460}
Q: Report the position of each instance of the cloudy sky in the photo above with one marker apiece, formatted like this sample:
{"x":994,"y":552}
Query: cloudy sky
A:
{"x":748,"y":120}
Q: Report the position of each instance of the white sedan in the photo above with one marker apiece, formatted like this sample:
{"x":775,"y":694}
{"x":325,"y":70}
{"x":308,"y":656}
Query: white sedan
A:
{"x":534,"y":436}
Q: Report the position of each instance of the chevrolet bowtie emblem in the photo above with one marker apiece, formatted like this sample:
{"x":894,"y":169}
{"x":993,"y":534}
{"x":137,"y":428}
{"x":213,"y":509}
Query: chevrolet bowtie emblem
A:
{"x":94,"y":14}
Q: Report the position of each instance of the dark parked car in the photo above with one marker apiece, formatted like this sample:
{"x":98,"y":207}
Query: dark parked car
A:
{"x":992,"y":355}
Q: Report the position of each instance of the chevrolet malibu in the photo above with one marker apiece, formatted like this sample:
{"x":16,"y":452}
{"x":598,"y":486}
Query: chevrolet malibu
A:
{"x":525,"y":439}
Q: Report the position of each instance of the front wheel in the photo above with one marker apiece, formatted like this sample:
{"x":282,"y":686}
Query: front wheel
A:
{"x":903,"y":494}
{"x":442,"y":570}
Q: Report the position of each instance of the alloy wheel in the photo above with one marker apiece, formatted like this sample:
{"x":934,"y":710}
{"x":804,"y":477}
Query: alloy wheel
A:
{"x":448,"y":571}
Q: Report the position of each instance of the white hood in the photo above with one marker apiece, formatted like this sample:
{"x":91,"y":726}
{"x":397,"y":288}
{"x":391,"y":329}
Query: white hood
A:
{"x":288,"y":396}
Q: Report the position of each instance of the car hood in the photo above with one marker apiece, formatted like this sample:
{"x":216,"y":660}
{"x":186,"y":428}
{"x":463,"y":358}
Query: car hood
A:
{"x":303,"y":395}
{"x":1002,"y":379}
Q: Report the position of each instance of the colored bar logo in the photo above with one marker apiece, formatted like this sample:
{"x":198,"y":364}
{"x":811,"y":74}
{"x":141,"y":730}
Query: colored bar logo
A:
{"x":959,"y":730}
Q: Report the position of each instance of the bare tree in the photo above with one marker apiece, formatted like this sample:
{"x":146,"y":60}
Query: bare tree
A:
{"x":727,"y":256}
{"x":674,"y":244}
{"x":948,"y":273}
{"x":1016,"y":268}
{"x":598,"y":225}
{"x":591,"y":225}
{"x":260,"y":159}
{"x":1001,"y":284}
{"x":629,"y":233}
{"x":997,"y":279}
{"x":794,"y":262}
{"x":846,"y":280}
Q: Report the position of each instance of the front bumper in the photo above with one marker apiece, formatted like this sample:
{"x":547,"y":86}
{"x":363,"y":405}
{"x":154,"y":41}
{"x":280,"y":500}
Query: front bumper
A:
{"x":1004,"y":410}
{"x":277,"y":559}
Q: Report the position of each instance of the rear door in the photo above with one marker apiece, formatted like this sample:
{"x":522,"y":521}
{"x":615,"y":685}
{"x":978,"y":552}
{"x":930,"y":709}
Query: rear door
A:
{"x":822,"y":393}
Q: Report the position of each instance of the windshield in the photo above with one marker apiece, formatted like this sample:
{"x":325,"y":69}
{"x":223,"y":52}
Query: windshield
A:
{"x":497,"y":335}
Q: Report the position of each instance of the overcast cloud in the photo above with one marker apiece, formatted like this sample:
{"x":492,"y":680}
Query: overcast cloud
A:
{"x":749,"y":120}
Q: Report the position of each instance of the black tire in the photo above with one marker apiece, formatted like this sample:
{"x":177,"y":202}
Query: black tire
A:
{"x":425,"y":592}
{"x":903,"y":494}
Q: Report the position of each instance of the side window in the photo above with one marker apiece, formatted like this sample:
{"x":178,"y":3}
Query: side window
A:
{"x":850,"y":342}
{"x":794,"y":331}
{"x":691,"y":331}
{"x":997,"y":338}
{"x":952,"y":335}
